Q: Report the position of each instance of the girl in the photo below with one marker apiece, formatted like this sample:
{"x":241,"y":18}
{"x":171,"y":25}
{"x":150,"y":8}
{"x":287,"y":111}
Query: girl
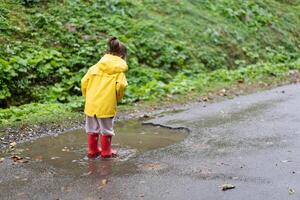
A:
{"x":103,"y":86}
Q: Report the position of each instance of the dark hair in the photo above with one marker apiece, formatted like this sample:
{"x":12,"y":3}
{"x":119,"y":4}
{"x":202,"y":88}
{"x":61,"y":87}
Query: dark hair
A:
{"x":115,"y":47}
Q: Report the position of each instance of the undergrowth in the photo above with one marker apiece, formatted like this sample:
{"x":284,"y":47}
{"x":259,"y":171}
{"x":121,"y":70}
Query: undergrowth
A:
{"x":183,"y":83}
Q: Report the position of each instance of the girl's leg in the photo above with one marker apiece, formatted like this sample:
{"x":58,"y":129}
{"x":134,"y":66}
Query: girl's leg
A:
{"x":92,"y":128}
{"x":93,"y":150}
{"x":106,"y":125}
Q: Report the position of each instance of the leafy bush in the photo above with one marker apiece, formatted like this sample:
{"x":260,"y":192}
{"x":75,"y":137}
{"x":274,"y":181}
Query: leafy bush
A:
{"x":182,"y":83}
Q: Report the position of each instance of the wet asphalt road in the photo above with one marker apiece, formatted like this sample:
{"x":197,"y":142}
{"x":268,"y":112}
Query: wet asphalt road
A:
{"x":252,"y":142}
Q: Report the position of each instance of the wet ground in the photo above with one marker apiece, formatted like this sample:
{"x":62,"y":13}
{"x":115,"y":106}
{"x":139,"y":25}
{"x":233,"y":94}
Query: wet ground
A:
{"x":50,"y":166}
{"x":252,"y":142}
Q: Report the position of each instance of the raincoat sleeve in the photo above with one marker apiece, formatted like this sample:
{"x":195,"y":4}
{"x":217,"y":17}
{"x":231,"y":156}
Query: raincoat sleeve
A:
{"x":121,"y":85}
{"x":84,"y":83}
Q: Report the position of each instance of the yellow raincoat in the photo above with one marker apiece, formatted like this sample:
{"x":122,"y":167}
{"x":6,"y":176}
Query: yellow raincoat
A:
{"x":103,"y":86}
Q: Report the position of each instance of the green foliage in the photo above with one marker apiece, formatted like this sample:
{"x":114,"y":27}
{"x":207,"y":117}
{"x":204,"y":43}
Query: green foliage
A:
{"x":25,"y":72}
{"x":49,"y":45}
{"x":187,"y":81}
{"x":251,"y":13}
{"x":183,"y":83}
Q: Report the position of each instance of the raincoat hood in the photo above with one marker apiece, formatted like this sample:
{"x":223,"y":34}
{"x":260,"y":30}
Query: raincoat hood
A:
{"x":111,"y":64}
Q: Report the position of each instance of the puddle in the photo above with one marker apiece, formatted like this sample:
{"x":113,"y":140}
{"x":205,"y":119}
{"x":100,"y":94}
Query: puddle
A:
{"x":67,"y":151}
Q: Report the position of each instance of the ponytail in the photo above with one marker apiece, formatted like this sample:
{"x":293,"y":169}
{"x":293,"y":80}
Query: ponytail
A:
{"x":115,"y":47}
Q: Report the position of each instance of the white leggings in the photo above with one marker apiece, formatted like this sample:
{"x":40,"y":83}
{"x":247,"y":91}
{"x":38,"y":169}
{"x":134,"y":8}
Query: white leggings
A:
{"x":99,"y":125}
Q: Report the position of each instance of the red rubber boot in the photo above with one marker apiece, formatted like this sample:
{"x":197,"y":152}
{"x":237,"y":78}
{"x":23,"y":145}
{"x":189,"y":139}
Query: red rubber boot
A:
{"x":93,"y":150}
{"x":106,"y":150}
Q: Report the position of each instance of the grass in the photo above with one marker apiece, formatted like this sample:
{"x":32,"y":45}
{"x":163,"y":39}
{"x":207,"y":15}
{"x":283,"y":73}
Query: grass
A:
{"x":36,"y":113}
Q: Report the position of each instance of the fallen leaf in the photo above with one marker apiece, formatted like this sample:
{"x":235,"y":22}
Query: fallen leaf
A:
{"x":23,"y":195}
{"x":86,"y":174}
{"x":104,"y":181}
{"x":204,"y":98}
{"x":227,"y":187}
{"x":2,"y":159}
{"x":223,"y":92}
{"x":141,"y":194}
{"x":286,"y":161}
{"x":291,"y":191}
{"x":65,"y":149}
{"x":23,"y":161}
{"x":16,"y":158}
{"x":12,"y":145}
